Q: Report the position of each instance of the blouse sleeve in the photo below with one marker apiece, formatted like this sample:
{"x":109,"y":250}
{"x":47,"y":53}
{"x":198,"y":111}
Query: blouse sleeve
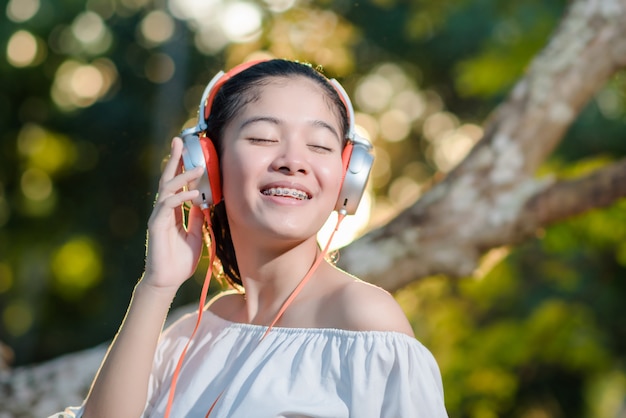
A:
{"x":398,"y":377}
{"x":71,"y":412}
{"x":170,"y":346}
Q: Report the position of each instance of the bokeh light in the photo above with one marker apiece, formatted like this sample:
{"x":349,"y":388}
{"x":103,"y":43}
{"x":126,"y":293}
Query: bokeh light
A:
{"x":194,"y":10}
{"x":25,"y":49}
{"x":217,"y":23}
{"x":411,"y":102}
{"x":88,"y":27}
{"x":381,"y":171}
{"x":373,"y":93}
{"x":160,"y":68}
{"x":45,"y":150}
{"x":279,"y":6}
{"x":18,"y":317}
{"x":439,"y":124}
{"x":5,"y":211}
{"x":156,"y":28}
{"x":6,"y":278}
{"x":394,"y":125}
{"x":364,"y":121}
{"x":77,"y":266}
{"x":241,"y":21}
{"x":22,"y":10}
{"x":403,"y":191}
{"x":36,"y":184}
{"x":80,"y":85}
{"x":91,"y":34}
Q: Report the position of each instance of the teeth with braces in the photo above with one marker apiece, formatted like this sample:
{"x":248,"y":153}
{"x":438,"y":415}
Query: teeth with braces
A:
{"x":282,"y":191}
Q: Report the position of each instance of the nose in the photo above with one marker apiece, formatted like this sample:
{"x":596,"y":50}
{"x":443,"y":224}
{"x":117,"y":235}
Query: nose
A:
{"x":291,"y":159}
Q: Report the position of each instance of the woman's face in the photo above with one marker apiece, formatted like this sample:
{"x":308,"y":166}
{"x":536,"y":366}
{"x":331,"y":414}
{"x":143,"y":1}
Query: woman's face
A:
{"x":281,"y":161}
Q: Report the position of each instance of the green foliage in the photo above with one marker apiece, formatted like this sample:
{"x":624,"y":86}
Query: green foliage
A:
{"x":539,"y":332}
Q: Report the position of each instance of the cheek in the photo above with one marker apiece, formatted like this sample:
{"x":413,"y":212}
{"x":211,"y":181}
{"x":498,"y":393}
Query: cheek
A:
{"x":232,"y":177}
{"x":333,"y":177}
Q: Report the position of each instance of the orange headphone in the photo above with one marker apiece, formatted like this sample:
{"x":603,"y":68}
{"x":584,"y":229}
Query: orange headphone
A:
{"x":199,"y":151}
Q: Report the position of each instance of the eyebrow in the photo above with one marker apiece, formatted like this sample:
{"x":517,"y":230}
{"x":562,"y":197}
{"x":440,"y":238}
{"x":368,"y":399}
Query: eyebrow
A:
{"x":275,"y":121}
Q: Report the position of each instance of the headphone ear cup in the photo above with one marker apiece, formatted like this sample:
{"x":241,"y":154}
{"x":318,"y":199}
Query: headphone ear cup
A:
{"x":358,"y":161}
{"x":212,"y":169}
{"x":200,"y":152}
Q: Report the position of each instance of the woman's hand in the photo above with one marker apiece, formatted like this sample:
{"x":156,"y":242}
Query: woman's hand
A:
{"x":173,"y":249}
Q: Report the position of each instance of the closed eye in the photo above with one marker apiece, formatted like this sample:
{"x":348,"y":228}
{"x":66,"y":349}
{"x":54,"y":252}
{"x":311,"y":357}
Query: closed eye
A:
{"x":321,"y":149}
{"x":261,"y":140}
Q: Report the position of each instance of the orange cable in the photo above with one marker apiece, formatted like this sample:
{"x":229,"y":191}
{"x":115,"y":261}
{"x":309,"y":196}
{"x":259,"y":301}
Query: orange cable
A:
{"x":205,"y":287}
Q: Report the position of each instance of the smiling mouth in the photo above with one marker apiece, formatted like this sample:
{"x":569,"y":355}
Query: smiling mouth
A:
{"x":286,"y":192}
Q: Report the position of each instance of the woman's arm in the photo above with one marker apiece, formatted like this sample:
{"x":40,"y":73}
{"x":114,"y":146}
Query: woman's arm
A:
{"x":173,"y":250}
{"x":121,"y":385}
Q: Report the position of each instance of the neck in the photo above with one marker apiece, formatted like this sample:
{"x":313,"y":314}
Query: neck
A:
{"x":270,"y":274}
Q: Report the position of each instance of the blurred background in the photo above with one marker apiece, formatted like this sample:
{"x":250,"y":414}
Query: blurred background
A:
{"x":91,"y":93}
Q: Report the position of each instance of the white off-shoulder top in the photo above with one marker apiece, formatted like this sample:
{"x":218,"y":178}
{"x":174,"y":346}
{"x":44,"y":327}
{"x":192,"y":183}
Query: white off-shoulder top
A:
{"x":293,"y":372}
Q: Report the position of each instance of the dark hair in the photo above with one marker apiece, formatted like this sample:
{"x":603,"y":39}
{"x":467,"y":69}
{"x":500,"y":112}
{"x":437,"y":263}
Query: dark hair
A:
{"x":240,"y":90}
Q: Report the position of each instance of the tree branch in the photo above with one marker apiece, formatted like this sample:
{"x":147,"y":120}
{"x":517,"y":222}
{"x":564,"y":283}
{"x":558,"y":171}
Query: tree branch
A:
{"x":483,"y":201}
{"x":573,"y":197}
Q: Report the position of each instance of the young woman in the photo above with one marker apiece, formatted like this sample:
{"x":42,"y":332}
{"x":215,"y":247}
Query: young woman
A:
{"x":299,"y":337}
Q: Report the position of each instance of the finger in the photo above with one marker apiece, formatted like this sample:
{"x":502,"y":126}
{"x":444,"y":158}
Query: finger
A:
{"x":177,"y":184}
{"x":179,"y":216}
{"x":172,"y":164}
{"x":195,"y":222}
{"x":181,"y":180}
{"x":174,"y":201}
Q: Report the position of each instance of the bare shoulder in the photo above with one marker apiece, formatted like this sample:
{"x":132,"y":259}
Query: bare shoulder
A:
{"x":361,"y":306}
